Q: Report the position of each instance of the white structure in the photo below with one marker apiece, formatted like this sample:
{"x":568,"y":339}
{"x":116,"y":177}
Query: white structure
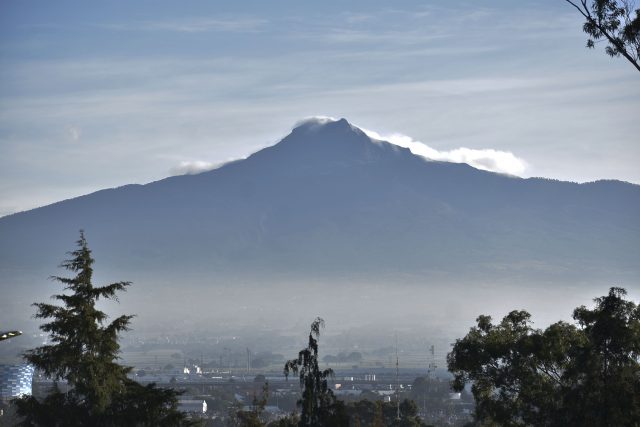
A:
{"x":193,"y":406}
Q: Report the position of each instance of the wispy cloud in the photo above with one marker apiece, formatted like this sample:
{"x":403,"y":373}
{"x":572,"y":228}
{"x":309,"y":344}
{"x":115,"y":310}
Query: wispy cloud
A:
{"x":486,"y":159}
{"x":192,"y":167}
{"x":194,"y":25}
{"x":74,"y":133}
{"x":513,"y":77}
{"x":398,"y":37}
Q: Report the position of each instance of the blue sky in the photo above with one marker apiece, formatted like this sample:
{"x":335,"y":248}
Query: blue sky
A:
{"x":101,"y":94}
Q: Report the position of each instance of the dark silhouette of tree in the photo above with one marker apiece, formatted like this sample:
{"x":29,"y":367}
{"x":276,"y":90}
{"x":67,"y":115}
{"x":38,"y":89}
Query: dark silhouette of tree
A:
{"x":378,"y":417}
{"x":318,"y":405}
{"x":584,"y":374}
{"x":253,"y":417}
{"x":615,"y":21}
{"x":84,"y":352}
{"x":378,"y":414}
{"x":605,"y":376}
{"x":288,"y":421}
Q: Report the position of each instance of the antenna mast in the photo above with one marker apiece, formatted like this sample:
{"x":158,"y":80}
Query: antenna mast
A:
{"x":430,"y":376}
{"x":397,"y":381}
{"x":432,"y":363}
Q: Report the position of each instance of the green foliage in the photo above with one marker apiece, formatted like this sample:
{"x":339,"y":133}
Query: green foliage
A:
{"x":146,"y":406}
{"x":432,"y":395}
{"x":253,"y":418}
{"x":318,"y":404}
{"x":289,"y":421}
{"x":378,"y":417}
{"x":378,"y":414}
{"x":615,"y":21}
{"x":605,"y":376}
{"x":584,"y":374}
{"x":84,"y":352}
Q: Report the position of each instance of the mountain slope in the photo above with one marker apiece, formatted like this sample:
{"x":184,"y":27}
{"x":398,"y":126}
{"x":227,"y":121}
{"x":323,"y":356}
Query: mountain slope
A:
{"x":327,"y":201}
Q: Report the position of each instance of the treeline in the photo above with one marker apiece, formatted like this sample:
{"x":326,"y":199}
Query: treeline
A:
{"x":581,"y":373}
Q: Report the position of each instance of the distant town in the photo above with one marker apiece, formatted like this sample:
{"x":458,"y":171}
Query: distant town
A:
{"x":224,"y":377}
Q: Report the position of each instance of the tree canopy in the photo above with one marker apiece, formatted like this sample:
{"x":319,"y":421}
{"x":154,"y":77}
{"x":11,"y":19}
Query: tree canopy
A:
{"x":586,"y":373}
{"x":613,"y":21}
{"x":83,"y":351}
{"x":318,"y":404}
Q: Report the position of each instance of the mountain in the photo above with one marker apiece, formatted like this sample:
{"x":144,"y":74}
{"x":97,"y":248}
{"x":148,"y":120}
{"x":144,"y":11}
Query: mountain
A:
{"x":328,"y":202}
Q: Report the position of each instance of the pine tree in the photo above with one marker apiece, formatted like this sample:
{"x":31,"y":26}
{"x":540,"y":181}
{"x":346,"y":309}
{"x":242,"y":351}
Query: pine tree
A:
{"x":83,"y":351}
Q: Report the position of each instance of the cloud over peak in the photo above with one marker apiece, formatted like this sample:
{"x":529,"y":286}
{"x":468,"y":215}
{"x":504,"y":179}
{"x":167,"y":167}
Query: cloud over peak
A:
{"x":486,"y":159}
{"x":313,"y":121}
{"x":192,"y":167}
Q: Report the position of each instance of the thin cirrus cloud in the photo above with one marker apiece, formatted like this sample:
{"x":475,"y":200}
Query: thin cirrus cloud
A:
{"x":195,"y":25}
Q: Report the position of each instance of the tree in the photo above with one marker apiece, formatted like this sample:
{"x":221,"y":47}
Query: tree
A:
{"x":378,"y":418}
{"x":318,"y":404}
{"x":288,"y":421}
{"x":84,"y":352}
{"x":584,"y":374}
{"x":615,"y":21}
{"x":605,"y":378}
{"x":378,"y":414}
{"x":253,"y":417}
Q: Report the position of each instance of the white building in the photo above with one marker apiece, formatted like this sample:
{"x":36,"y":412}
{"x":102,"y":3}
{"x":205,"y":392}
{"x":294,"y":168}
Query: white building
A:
{"x":192,"y":406}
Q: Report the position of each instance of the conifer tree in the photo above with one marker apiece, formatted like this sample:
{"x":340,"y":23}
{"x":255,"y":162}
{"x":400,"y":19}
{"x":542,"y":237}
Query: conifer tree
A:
{"x":83,"y":351}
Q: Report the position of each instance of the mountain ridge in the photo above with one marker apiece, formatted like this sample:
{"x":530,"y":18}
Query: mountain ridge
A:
{"x":329,"y":202}
{"x":310,"y":126}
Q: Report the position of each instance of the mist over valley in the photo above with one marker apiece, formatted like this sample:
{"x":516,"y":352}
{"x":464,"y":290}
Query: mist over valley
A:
{"x":331,"y":222}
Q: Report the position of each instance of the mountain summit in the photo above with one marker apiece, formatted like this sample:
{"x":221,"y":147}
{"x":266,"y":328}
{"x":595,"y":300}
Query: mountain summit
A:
{"x":330,"y":142}
{"x":328,"y":202}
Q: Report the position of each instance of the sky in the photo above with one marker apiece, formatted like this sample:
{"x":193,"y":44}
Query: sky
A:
{"x":95,"y":95}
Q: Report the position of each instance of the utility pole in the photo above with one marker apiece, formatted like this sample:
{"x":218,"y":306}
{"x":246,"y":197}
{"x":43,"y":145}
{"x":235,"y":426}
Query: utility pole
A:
{"x":430,"y":375}
{"x":432,"y":364}
{"x":397,"y":381}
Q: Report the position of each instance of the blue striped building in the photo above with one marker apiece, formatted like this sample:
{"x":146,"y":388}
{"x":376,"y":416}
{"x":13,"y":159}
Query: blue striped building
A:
{"x":15,"y":380}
